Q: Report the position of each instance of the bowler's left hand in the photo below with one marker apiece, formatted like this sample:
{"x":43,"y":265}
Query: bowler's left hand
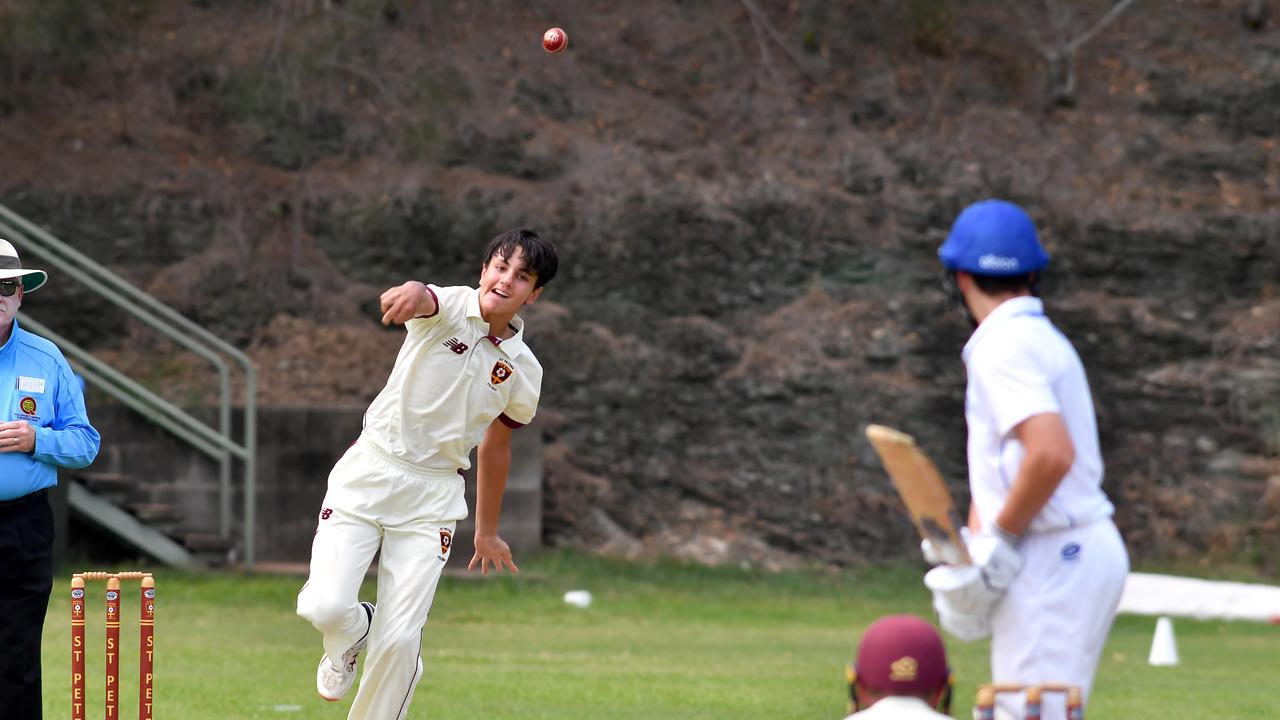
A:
{"x":17,"y":436}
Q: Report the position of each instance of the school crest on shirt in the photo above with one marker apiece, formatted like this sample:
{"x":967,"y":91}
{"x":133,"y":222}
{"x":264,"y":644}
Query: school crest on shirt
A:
{"x":446,"y":542}
{"x":501,"y":371}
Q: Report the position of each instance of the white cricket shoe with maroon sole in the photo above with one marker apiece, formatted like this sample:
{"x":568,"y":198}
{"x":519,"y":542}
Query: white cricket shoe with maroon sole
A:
{"x":334,"y":681}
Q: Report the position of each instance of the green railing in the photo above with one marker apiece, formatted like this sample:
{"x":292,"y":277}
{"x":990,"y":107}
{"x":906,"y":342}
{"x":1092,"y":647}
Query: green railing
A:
{"x":217,"y":444}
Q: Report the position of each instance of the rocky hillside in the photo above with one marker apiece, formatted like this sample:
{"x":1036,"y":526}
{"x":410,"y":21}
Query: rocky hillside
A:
{"x":748,"y":196}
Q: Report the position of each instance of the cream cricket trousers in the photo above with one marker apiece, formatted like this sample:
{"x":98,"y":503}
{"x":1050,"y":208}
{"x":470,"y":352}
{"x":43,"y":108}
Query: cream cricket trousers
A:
{"x":377,"y":503}
{"x":1052,"y":623}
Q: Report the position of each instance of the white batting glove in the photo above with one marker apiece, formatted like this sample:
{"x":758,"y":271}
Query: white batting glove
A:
{"x":965,"y":596}
{"x":960,"y":588}
{"x":995,"y":555}
{"x":943,"y":553}
{"x":967,"y":626}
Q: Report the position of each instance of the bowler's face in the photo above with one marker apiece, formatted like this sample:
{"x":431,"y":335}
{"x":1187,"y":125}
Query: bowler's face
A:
{"x":506,"y":284}
{"x":9,"y":304}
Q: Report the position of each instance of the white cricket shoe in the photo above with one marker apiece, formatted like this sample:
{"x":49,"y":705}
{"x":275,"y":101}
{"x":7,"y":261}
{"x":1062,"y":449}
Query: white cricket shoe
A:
{"x":334,"y":681}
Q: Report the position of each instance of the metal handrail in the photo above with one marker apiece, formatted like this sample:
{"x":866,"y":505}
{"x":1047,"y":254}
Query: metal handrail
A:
{"x":126,"y":390}
{"x":183,"y":331}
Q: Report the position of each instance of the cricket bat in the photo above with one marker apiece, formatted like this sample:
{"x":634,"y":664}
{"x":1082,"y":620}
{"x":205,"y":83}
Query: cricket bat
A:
{"x":922,"y":490}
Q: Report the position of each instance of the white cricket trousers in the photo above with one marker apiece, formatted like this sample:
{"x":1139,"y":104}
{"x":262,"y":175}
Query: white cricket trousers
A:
{"x":376,"y":502}
{"x":1051,"y":625}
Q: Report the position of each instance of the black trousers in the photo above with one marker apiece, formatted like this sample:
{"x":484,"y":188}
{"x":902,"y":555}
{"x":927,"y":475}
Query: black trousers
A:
{"x":26,"y":579}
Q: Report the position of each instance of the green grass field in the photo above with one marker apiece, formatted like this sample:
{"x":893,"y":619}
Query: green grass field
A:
{"x":664,"y":641}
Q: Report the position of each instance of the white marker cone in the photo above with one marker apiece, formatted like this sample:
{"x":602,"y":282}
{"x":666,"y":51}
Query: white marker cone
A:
{"x":1164,"y":649}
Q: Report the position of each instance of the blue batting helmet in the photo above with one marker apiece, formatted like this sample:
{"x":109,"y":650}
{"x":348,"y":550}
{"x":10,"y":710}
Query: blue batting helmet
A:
{"x":993,"y":237}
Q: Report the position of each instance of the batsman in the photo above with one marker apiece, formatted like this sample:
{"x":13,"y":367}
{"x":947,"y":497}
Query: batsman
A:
{"x":1049,"y":565}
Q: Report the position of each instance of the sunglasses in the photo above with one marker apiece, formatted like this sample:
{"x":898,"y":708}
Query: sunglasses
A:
{"x":9,"y":287}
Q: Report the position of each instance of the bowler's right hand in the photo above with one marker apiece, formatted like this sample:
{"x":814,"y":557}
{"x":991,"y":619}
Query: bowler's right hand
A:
{"x":403,"y":303}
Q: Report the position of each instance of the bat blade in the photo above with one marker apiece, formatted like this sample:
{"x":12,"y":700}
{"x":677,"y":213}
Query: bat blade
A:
{"x":922,"y":490}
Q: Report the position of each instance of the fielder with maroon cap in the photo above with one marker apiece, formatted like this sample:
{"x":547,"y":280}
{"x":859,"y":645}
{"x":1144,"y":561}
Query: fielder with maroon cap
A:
{"x":901,"y":672}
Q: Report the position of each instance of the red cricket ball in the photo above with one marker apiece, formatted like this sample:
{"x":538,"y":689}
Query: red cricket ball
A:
{"x":555,"y":40}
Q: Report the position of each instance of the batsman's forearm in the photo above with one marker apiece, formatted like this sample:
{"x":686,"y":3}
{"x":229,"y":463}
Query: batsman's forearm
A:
{"x":1038,"y":478}
{"x":491,"y":482}
{"x":1047,"y":457}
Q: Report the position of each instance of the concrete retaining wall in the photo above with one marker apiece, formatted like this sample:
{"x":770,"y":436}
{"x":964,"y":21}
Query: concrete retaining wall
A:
{"x":296,"y":449}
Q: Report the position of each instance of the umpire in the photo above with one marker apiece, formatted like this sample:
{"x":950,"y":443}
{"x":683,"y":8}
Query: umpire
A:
{"x":43,"y":426}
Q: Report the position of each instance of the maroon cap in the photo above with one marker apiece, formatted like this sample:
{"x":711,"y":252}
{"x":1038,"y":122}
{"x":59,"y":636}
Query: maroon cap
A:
{"x":901,"y":655}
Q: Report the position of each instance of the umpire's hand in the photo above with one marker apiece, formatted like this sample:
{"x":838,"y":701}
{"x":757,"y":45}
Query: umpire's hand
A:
{"x":17,"y":436}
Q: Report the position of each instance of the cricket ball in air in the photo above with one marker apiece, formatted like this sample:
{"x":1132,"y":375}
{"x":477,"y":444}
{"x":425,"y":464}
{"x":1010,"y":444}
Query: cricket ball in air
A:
{"x":555,"y":40}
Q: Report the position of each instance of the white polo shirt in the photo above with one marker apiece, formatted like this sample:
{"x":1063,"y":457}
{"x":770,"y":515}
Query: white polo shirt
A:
{"x":449,"y":383}
{"x":1020,"y":365}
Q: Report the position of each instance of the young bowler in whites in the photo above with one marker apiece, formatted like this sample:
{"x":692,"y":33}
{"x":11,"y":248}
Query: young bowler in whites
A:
{"x":464,"y":377}
{"x":1049,"y":565}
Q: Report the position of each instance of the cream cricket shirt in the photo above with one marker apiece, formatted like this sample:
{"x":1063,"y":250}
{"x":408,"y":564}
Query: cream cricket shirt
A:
{"x":450,"y":381}
{"x":1020,"y":365}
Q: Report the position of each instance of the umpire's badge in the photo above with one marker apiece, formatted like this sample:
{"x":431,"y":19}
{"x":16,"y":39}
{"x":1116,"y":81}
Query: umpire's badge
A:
{"x":501,"y":371}
{"x":904,"y":669}
{"x":446,"y":541}
{"x":27,"y":405}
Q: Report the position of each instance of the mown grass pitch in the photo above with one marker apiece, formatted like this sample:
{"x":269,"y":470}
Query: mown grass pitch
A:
{"x":660,"y":641}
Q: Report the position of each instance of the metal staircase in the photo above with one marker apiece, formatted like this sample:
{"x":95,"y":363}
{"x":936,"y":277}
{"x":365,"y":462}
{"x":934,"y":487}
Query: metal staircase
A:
{"x":138,"y":526}
{"x":113,"y":503}
{"x":105,"y":511}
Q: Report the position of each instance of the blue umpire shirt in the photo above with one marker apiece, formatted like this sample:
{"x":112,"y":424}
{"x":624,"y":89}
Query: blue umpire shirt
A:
{"x":37,"y":385}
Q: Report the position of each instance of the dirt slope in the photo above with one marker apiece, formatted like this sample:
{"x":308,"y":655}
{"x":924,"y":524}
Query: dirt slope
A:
{"x":748,"y":223}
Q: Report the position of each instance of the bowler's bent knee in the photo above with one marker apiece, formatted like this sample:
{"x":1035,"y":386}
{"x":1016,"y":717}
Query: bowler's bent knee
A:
{"x":326,"y":615}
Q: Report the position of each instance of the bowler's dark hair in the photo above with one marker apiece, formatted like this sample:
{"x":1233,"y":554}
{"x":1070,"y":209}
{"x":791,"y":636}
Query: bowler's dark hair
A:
{"x":540,"y":255}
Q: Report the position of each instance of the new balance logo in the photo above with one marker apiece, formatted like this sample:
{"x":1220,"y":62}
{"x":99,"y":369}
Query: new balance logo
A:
{"x":454,"y":345}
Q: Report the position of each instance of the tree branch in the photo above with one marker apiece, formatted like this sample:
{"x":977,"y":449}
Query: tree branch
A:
{"x":1106,"y":20}
{"x":757,"y":16}
{"x":1061,"y":60}
{"x":763,"y":43}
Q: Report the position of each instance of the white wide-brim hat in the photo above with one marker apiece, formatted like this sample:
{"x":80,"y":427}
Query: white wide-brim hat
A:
{"x":11,"y":267}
